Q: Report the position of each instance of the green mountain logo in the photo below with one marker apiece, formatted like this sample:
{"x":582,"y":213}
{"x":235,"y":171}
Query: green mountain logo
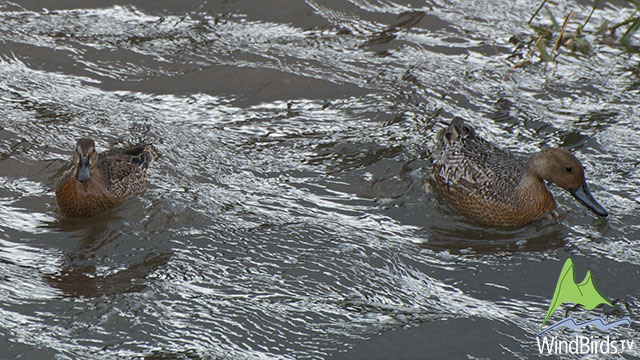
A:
{"x":584,"y":293}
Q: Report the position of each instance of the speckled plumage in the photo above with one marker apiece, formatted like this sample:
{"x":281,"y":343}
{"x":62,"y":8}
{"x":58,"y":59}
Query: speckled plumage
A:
{"x":496,"y":187}
{"x":113,"y":176}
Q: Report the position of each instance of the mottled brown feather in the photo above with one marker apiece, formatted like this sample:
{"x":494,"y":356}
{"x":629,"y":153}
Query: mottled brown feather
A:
{"x":115,"y":175}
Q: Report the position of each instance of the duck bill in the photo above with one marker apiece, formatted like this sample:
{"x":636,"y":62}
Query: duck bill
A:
{"x":82,"y":174}
{"x":584,"y":196}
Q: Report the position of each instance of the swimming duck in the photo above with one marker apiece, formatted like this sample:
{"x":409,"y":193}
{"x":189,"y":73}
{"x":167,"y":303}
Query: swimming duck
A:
{"x":98,"y":181}
{"x":495,"y":187}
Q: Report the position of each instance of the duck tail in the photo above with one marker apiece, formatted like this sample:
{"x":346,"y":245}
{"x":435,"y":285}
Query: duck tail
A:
{"x":456,"y":130}
{"x":144,"y":158}
{"x":140,"y":154}
{"x":460,"y":129}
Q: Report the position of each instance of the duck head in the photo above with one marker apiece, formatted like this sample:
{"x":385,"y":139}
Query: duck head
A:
{"x":560,"y":167}
{"x":85,"y":159}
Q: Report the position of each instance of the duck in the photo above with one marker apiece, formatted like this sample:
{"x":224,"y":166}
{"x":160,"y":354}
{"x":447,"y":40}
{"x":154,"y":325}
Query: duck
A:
{"x":99,"y":181}
{"x":498,"y":188}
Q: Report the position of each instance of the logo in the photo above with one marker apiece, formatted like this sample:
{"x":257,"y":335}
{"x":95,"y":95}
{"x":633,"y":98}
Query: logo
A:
{"x":584,"y":295}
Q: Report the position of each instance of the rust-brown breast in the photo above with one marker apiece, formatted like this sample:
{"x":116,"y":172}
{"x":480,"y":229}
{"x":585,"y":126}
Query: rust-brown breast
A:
{"x":77,"y":199}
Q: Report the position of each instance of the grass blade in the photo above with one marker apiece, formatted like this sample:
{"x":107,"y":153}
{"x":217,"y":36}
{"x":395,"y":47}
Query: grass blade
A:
{"x":630,"y":31}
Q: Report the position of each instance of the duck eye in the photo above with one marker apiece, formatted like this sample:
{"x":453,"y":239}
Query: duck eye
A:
{"x":569,"y":169}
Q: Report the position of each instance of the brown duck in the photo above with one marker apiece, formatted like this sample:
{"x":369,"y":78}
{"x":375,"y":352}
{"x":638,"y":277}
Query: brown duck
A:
{"x":99,"y":181}
{"x":498,"y":188}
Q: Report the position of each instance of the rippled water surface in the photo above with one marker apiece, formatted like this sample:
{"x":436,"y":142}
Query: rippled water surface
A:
{"x":285,"y":215}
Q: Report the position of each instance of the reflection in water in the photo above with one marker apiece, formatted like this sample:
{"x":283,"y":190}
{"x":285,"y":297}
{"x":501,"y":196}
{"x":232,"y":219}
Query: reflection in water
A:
{"x":285,"y":215}
{"x":87,"y":270}
{"x":478,"y":240}
{"x":74,"y":279}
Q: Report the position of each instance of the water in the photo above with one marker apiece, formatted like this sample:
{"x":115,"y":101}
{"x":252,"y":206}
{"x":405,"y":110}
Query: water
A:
{"x":285,"y":215}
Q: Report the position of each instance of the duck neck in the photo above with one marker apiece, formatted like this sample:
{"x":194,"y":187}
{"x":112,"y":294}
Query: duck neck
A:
{"x":533,"y":194}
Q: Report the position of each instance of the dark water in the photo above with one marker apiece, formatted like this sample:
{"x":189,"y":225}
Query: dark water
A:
{"x":285,"y":215}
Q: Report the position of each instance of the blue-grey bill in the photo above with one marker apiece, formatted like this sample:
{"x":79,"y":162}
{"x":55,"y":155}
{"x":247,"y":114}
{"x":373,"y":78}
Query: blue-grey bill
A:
{"x":82,"y":174}
{"x":584,"y":196}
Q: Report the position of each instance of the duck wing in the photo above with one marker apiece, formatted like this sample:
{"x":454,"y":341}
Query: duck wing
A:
{"x":123,"y":170}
